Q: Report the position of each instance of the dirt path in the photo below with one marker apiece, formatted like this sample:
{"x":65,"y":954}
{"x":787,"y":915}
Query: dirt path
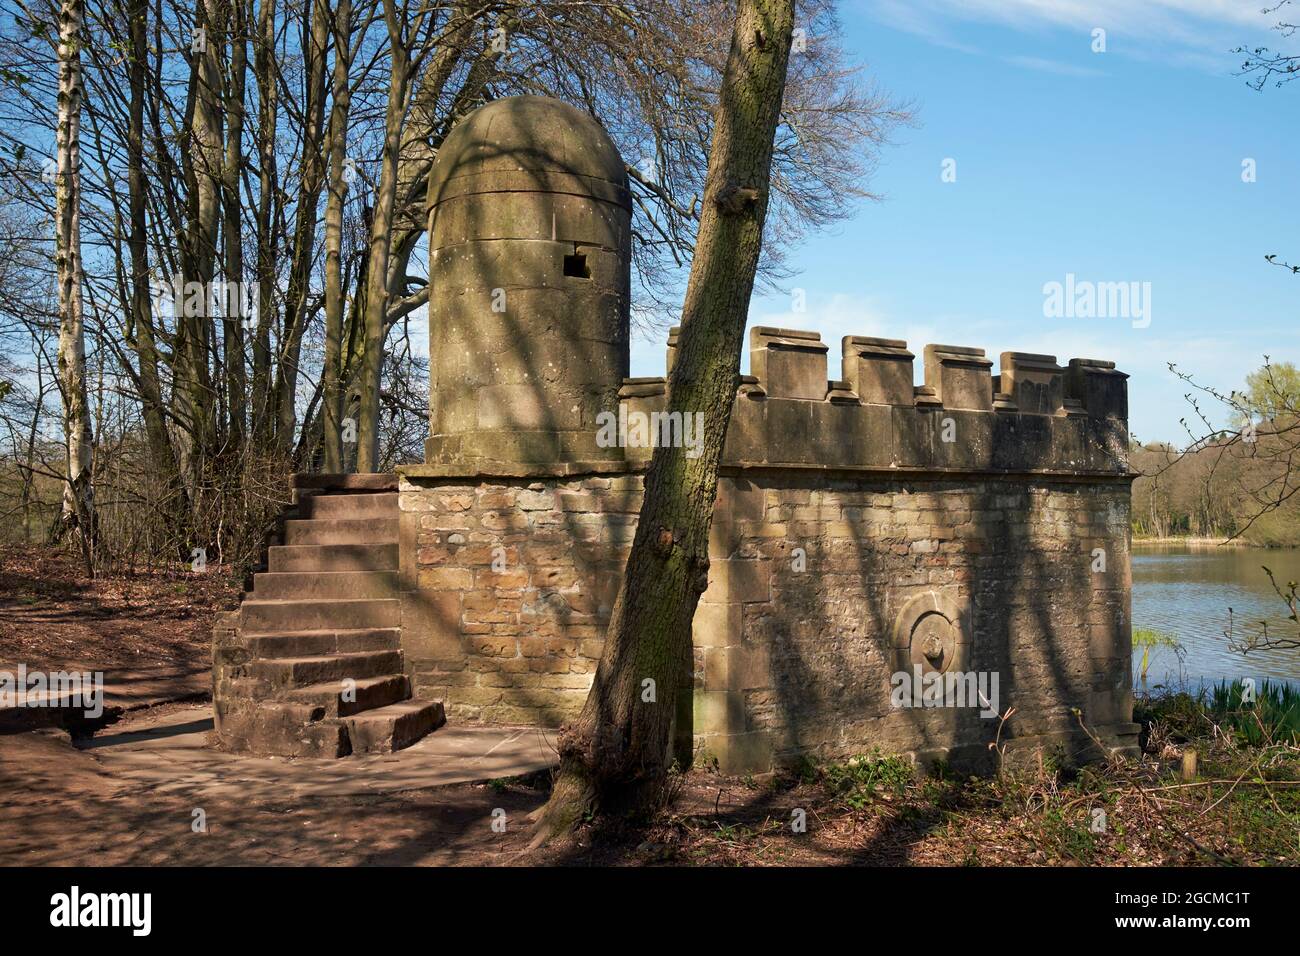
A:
{"x":52,"y":617}
{"x":60,"y":806}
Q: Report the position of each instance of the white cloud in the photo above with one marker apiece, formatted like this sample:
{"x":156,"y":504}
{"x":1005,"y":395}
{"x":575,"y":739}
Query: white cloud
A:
{"x":1180,"y":31}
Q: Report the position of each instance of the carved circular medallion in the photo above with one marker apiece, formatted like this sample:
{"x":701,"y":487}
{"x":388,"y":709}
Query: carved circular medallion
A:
{"x":930,"y":635}
{"x":933,"y":646}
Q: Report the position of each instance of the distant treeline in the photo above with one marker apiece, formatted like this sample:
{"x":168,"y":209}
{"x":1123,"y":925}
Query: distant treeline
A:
{"x":1237,"y":482}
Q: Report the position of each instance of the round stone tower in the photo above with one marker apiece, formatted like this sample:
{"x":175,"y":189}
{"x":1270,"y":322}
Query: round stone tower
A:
{"x":529,"y":272}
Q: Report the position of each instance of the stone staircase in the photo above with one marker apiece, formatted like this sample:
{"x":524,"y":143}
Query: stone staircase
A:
{"x":311,"y":663}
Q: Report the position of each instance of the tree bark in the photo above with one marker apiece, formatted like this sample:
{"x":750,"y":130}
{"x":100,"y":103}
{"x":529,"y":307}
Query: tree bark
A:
{"x":265,"y":70}
{"x":332,"y":373}
{"x":78,"y":491}
{"x":304,"y":237}
{"x":614,"y":758}
{"x":372,"y":359}
{"x":145,"y":339}
{"x":232,"y":226}
{"x":202,"y":168}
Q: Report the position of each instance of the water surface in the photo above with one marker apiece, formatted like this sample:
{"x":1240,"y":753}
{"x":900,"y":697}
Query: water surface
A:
{"x":1187,"y":591}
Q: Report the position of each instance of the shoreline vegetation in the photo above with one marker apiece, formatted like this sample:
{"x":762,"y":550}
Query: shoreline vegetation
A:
{"x":1217,"y":784}
{"x":1198,"y":541}
{"x":1210,"y":543}
{"x":1237,"y":480}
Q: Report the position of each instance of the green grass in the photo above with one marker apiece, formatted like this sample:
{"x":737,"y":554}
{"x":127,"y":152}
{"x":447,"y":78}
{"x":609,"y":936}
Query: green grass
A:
{"x":1273,"y":717}
{"x":858,"y":780}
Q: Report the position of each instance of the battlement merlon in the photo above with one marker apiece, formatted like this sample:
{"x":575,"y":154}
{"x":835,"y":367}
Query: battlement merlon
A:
{"x":1034,"y":416}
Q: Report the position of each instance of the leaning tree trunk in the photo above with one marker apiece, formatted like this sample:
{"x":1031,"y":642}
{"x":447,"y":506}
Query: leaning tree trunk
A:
{"x":614,"y":759}
{"x":78,"y":491}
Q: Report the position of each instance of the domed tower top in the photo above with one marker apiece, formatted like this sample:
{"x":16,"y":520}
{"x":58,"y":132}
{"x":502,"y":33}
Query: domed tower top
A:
{"x":529,"y":275}
{"x":528,"y":135}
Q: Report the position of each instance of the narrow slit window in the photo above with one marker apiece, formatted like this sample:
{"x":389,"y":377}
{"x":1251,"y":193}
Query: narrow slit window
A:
{"x":576,"y":266}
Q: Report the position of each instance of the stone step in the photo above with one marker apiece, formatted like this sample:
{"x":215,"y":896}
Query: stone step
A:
{"x":395,"y":726}
{"x":369,"y":481}
{"x":282,"y":728}
{"x":332,"y":557}
{"x":370,"y":693}
{"x":324,"y":585}
{"x":319,"y":643}
{"x":299,"y":672}
{"x":341,"y":531}
{"x":350,"y":506}
{"x":291,"y":617}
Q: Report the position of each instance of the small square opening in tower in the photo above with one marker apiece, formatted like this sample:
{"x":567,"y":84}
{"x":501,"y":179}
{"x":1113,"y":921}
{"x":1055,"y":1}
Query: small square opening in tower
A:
{"x":576,"y":266}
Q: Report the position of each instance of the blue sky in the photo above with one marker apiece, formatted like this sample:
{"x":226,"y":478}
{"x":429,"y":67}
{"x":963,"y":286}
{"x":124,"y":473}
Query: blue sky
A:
{"x":1117,"y":166}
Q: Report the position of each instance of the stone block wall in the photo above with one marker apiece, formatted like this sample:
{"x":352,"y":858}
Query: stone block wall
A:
{"x":507,"y":587}
{"x":796,"y":639}
{"x":976,"y":524}
{"x":794,"y":635}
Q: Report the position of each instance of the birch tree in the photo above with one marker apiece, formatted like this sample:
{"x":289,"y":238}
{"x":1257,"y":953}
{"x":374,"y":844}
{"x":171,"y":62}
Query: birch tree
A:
{"x":78,"y":493}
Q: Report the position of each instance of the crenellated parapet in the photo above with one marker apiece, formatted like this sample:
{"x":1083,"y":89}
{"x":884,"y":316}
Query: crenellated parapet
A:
{"x":1032,"y":416}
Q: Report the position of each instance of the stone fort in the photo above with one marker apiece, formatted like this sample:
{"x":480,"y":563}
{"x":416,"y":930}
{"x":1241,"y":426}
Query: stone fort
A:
{"x":865,"y":526}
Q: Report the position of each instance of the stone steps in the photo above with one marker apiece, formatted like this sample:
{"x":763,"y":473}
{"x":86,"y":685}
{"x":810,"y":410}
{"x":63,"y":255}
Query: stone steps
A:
{"x":369,"y":530}
{"x":333,"y":507}
{"x":366,"y":694}
{"x":315,"y":643}
{"x":282,"y":617}
{"x":394,"y":727}
{"x":333,"y":585}
{"x":302,"y":671}
{"x":283,"y":558}
{"x":311,"y":664}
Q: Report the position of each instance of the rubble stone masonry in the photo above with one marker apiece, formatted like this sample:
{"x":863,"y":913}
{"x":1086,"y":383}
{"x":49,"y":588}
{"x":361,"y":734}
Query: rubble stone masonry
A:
{"x":980,"y":520}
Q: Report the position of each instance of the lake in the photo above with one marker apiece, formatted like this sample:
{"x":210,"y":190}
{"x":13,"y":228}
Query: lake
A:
{"x":1186,"y":591}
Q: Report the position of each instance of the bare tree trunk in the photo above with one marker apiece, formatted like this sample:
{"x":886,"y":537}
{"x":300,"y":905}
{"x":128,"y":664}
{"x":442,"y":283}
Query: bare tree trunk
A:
{"x":265,"y":71}
{"x":232,"y":226}
{"x":353,"y":345}
{"x":144,"y":342}
{"x":78,"y":492}
{"x":194,"y":398}
{"x":615,"y":757}
{"x":285,"y":393}
{"x":372,"y":360}
{"x":332,"y":374}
